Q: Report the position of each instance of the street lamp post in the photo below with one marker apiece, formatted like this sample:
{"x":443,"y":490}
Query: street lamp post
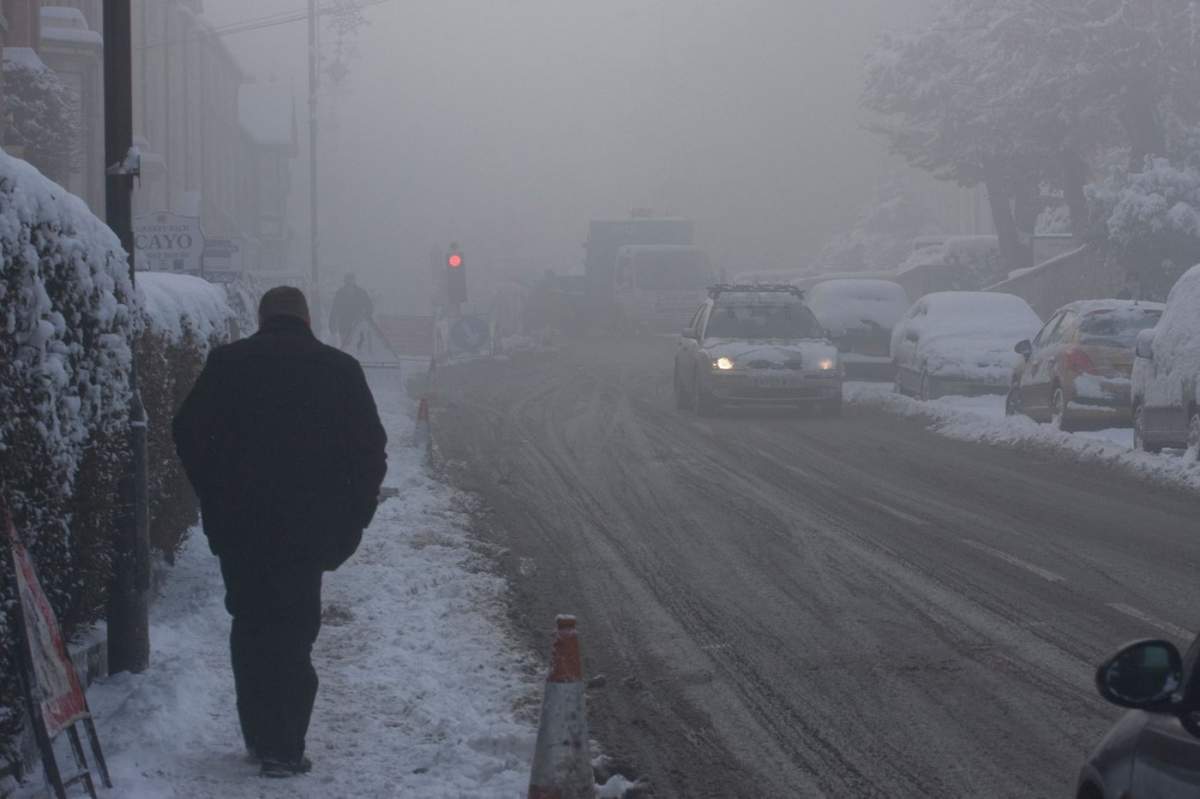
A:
{"x":314,"y":239}
{"x":128,"y":602}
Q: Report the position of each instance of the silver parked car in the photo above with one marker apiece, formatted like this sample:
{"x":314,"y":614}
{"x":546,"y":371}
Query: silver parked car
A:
{"x":1154,"y":750}
{"x":1166,"y":374}
{"x":756,"y":345}
{"x":960,"y":342}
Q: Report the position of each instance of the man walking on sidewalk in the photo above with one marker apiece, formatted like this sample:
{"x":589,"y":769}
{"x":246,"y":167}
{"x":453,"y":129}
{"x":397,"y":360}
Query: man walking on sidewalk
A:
{"x":282,"y":441}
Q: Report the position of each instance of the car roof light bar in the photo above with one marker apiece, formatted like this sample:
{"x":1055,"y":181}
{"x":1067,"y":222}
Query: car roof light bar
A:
{"x":757,"y":288}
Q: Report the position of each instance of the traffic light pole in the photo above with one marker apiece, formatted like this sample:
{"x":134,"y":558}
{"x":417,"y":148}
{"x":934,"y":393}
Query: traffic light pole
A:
{"x":314,"y":239}
{"x":128,"y":599}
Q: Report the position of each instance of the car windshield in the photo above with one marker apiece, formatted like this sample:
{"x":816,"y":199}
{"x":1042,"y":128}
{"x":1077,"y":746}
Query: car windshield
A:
{"x":1117,"y":327}
{"x":671,"y":271}
{"x":776,"y":321}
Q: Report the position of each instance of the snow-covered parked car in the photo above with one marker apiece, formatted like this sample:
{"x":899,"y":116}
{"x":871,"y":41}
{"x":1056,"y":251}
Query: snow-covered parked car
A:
{"x":859,"y":316}
{"x":960,"y":342}
{"x":1166,"y":374}
{"x":1075,"y":372}
{"x":756,"y":345}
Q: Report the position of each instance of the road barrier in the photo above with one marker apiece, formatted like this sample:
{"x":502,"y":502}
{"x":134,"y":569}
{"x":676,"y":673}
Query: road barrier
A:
{"x":562,"y":765}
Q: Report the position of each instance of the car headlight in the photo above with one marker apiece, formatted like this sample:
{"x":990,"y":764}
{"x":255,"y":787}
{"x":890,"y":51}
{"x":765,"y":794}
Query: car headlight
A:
{"x":723,"y":364}
{"x":827,"y":364}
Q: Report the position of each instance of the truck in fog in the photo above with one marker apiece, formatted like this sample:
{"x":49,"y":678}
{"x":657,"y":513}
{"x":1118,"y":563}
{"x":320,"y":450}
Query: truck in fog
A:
{"x":657,"y":287}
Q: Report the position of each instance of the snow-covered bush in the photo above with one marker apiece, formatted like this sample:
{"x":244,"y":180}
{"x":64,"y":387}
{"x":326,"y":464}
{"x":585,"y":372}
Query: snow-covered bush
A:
{"x":65,"y":303}
{"x":183,"y":318}
{"x":43,"y":121}
{"x":1152,"y":221}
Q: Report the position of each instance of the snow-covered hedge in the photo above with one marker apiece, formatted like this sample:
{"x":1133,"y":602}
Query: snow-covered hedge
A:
{"x":184,"y":317}
{"x":65,"y":302}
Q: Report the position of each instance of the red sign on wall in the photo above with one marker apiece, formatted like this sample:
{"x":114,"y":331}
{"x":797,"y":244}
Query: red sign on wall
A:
{"x":55,"y":683}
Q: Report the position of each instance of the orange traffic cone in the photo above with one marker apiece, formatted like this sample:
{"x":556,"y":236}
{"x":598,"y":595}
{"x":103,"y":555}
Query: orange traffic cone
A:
{"x":562,"y":767}
{"x":422,"y":434}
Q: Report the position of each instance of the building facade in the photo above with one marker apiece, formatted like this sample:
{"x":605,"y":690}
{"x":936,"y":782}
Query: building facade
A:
{"x":213,"y":145}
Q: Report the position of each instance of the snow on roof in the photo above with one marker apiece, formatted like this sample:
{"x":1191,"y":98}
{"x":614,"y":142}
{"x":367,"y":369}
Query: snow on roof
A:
{"x":25,"y":57}
{"x":67,"y":16}
{"x":67,"y":24}
{"x":963,"y":249}
{"x":72,"y":36}
{"x":1058,"y":259}
{"x":772,"y":276}
{"x":266,"y":113}
{"x":951,"y":312}
{"x":1084,"y":307}
{"x":173,"y":305}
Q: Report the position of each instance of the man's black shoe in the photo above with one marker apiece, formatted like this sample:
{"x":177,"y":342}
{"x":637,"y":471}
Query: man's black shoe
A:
{"x":279,"y":769}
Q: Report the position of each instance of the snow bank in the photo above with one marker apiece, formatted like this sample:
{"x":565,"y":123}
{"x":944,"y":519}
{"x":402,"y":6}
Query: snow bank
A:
{"x":982,"y":419}
{"x":419,"y":682}
{"x":178,"y":306}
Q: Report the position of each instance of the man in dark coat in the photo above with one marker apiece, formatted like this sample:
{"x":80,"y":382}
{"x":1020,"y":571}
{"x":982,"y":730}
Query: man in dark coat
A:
{"x":282,"y":441}
{"x":351,"y":307}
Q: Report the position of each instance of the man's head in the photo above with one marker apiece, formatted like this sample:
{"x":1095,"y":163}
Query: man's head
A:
{"x":350,"y":279}
{"x":283,"y":301}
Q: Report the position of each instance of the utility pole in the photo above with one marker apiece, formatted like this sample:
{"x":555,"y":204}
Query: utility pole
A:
{"x":314,"y":239}
{"x":128,"y":600}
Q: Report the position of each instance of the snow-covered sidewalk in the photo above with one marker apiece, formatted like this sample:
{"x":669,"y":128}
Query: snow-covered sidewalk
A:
{"x":982,"y":419}
{"x":419,"y":683}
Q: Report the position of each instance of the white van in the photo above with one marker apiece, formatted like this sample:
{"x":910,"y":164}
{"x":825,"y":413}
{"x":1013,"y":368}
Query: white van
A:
{"x":658,"y":287}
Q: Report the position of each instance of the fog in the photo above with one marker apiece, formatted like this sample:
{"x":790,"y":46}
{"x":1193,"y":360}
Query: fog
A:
{"x":507,"y":125}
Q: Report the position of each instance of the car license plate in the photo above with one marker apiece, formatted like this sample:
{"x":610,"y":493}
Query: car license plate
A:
{"x":772,"y":382}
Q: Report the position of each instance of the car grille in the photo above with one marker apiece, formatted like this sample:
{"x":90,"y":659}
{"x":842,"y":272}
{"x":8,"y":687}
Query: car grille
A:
{"x":795,"y":365}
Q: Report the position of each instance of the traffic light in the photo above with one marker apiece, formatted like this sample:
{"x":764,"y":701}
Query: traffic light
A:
{"x":456,"y":276}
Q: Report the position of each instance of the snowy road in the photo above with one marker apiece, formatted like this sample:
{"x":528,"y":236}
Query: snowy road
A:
{"x":791,"y":606}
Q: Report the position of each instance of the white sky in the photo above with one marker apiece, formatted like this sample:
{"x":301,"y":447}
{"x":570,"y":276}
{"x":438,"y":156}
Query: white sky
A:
{"x":507,"y":124}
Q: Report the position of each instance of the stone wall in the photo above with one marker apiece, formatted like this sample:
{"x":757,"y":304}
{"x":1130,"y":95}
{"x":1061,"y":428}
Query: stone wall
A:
{"x":1082,"y":274}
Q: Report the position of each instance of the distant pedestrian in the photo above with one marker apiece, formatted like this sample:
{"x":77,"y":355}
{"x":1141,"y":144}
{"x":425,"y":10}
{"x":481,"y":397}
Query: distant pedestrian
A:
{"x":351,"y":307}
{"x":282,"y":441}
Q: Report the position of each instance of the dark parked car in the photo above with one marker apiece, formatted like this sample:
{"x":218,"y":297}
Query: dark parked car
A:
{"x":860,"y":315}
{"x":1153,"y":752}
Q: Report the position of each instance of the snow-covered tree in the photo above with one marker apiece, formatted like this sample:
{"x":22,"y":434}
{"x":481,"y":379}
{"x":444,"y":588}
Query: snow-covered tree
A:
{"x":1021,"y":94}
{"x":882,"y":234}
{"x":1152,"y":221}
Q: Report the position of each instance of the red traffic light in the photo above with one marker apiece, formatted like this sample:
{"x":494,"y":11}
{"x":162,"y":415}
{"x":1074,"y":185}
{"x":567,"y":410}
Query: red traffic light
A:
{"x":454,"y":260}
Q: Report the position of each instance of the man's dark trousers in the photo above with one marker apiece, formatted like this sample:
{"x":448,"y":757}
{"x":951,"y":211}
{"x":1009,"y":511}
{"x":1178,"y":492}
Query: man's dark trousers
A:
{"x":276,"y":613}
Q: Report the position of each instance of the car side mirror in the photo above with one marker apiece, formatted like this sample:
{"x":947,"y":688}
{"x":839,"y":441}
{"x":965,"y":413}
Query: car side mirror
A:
{"x":1145,"y":345}
{"x":1024,"y":348}
{"x":1144,"y":675}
